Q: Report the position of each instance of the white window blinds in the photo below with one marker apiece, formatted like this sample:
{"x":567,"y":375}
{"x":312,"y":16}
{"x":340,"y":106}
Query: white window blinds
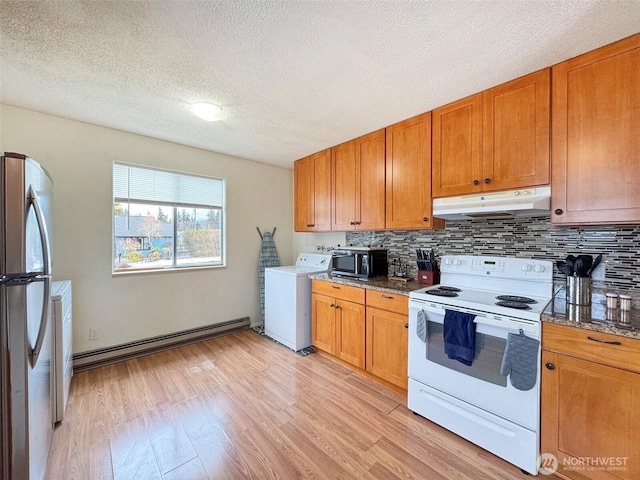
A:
{"x":141,"y":184}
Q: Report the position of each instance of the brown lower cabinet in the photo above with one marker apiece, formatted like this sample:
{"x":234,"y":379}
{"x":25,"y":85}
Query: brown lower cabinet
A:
{"x":387,"y":338}
{"x":368,"y":334}
{"x":338,"y":321}
{"x":591,"y":403}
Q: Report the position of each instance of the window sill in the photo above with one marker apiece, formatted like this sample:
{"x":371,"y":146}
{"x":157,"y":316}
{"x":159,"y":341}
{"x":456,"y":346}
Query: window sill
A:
{"x":125,"y":273}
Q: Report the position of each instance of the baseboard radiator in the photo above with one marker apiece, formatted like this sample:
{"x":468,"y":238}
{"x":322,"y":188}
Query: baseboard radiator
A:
{"x":127,"y":351}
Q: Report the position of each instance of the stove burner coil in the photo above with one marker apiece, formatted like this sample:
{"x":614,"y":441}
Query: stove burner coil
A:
{"x":449,"y":289}
{"x":441,"y":293}
{"x":516,"y":299}
{"x":512,"y":304}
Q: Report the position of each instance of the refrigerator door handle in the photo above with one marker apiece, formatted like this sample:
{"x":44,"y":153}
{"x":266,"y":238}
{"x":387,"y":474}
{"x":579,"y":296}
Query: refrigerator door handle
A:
{"x":46,"y":275}
{"x":22,"y":278}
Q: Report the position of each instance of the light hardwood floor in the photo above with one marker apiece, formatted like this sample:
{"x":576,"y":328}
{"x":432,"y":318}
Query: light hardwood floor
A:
{"x":241,"y":406}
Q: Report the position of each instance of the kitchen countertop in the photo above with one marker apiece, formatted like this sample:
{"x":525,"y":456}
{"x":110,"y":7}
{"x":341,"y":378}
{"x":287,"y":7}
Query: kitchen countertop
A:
{"x":382,"y":284}
{"x":596,"y":317}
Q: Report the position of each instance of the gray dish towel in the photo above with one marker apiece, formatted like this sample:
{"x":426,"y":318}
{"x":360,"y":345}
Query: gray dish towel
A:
{"x":268,"y":258}
{"x":520,"y":360}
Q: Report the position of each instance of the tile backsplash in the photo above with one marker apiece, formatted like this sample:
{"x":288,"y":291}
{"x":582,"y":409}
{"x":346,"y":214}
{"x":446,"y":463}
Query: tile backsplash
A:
{"x":532,"y":237}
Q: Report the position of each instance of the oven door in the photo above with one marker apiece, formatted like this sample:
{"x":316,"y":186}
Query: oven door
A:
{"x":480,"y":384}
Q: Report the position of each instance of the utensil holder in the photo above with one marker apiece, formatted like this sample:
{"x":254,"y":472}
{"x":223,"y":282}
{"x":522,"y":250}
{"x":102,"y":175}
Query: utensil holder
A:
{"x":578,"y":313}
{"x":578,"y":290}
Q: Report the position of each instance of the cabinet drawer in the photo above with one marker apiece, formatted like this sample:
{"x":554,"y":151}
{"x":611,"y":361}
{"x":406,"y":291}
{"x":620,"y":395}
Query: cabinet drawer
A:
{"x":391,"y":302}
{"x":589,"y":345}
{"x":343,"y":292}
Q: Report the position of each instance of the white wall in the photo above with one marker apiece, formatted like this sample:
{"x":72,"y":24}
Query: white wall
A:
{"x":121,"y":309}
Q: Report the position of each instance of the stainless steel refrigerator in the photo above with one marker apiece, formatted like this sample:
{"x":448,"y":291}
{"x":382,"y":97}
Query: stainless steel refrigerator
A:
{"x":26,"y":195}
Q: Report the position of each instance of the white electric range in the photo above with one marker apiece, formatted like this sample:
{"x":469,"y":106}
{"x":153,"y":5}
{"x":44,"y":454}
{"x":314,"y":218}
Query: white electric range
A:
{"x":502,"y":296}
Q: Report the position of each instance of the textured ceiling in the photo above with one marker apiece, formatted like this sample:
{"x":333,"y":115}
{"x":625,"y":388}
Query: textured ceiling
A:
{"x":294,"y":76}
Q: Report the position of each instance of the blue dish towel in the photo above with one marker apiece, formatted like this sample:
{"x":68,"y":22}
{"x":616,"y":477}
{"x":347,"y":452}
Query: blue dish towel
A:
{"x":459,"y":336}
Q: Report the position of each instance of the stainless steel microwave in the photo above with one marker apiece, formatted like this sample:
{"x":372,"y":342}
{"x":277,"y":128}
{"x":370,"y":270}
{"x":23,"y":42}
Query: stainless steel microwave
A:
{"x":360,"y":262}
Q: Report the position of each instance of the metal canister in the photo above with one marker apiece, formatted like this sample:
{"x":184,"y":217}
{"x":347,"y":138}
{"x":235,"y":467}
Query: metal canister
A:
{"x":578,"y":290}
{"x":625,"y":302}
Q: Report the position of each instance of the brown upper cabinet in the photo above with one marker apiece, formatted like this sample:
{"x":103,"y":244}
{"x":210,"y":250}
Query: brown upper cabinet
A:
{"x":408,"y":172}
{"x":596,"y":136}
{"x":312,"y":193}
{"x":457,"y":147}
{"x":358,"y":183}
{"x":494,"y":140}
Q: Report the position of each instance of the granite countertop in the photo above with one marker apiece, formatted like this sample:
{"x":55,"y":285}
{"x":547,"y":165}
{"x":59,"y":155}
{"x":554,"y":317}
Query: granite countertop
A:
{"x":596,"y":317}
{"x":382,"y":284}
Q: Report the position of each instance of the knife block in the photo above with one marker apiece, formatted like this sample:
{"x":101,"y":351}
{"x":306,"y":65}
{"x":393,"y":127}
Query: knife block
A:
{"x":428,"y":277}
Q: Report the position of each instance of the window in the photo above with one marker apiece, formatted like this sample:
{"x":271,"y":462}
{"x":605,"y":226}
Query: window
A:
{"x":166,"y":220}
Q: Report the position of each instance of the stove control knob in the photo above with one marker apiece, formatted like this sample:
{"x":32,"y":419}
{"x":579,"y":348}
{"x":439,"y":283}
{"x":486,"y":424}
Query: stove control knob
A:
{"x":448,"y":261}
{"x":457,"y":262}
{"x":538,"y":268}
{"x":526,"y":267}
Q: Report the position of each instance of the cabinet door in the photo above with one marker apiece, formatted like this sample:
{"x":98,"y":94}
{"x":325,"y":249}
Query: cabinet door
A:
{"x":595,"y":136}
{"x":387,"y":346}
{"x":358,"y":183}
{"x":457,"y":147}
{"x":589,"y":413}
{"x":303,"y":193}
{"x":322,"y":191}
{"x":408,"y":172}
{"x":323,"y":323}
{"x":516,"y":147}
{"x":345,"y":186}
{"x":350,"y":332}
{"x":370,"y":196}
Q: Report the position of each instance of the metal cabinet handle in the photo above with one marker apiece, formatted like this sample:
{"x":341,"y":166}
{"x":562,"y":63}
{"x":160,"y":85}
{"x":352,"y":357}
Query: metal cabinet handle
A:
{"x":335,"y":286}
{"x":487,"y":180}
{"x":387,"y":296}
{"x":476,"y":182}
{"x":558,"y":211}
{"x":603,"y":341}
{"x":406,"y":325}
{"x":425,"y":219}
{"x":550,"y":366}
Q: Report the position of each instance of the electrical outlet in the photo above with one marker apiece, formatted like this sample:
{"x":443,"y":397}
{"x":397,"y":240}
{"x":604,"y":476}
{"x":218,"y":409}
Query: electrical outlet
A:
{"x":93,"y":334}
{"x":599,"y":273}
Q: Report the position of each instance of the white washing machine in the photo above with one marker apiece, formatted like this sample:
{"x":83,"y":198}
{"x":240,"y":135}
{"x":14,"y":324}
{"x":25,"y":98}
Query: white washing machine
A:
{"x":287,"y":291}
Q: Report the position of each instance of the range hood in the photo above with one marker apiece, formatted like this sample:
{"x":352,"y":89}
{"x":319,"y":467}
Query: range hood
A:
{"x":526,"y":202}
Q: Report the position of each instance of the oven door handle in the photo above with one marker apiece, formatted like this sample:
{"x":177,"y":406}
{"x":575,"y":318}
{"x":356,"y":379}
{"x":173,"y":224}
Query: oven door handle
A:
{"x":482,"y":318}
{"x":525,"y":326}
{"x":440,"y":309}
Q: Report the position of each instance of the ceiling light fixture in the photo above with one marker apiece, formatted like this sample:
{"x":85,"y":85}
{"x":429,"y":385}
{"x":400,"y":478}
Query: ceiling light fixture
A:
{"x":208,"y":111}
